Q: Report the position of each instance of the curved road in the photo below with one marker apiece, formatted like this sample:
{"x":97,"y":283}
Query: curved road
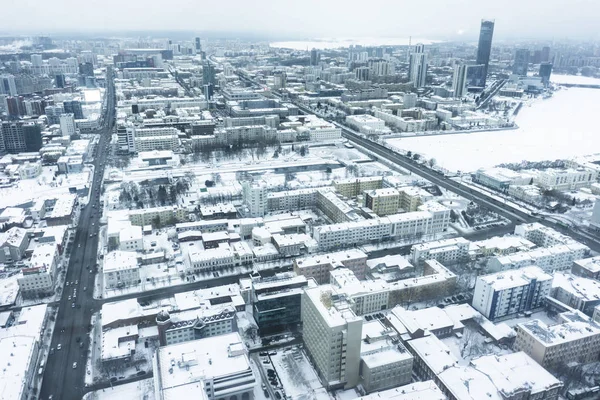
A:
{"x":61,"y":380}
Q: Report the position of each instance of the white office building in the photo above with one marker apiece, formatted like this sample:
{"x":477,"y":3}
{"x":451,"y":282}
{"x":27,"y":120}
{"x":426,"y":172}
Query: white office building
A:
{"x":332,"y":335}
{"x":67,"y":124}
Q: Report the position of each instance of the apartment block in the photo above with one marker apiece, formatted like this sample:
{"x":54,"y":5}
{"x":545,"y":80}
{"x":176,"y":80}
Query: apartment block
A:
{"x":355,"y":186}
{"x":318,"y":267}
{"x":555,"y":258}
{"x":446,"y":251}
{"x":383,"y":202}
{"x":120,"y":269}
{"x":332,"y":336}
{"x":510,"y":292}
{"x":158,"y":215}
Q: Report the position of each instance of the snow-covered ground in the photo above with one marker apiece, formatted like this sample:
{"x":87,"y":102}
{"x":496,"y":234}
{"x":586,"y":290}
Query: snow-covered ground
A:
{"x":574,"y":79}
{"x":140,"y":390}
{"x":45,"y":185}
{"x":297,"y":376}
{"x":548,"y":129}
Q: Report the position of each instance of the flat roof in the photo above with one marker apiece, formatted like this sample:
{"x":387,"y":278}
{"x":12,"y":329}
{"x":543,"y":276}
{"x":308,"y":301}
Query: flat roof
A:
{"x":515,"y":277}
{"x":18,"y":353}
{"x":426,"y":390}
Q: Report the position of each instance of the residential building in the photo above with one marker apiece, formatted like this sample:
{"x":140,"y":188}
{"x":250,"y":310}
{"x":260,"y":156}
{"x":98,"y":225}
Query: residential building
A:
{"x":20,"y":136}
{"x":555,"y":258}
{"x":484,"y":48}
{"x":502,"y":246}
{"x":384,"y":361}
{"x":382,"y":201}
{"x":158,"y":216}
{"x":417,"y":69}
{"x":587,"y":268}
{"x":254,"y":197}
{"x":446,"y":251}
{"x":575,"y":339}
{"x":511,"y":292}
{"x":541,"y":235}
{"x":595,"y":220}
{"x":459,"y":81}
{"x":131,"y":238}
{"x":137,"y":139}
{"x":354,"y":186}
{"x":318,"y":267}
{"x":38,"y":278}
{"x":577,"y":292}
{"x":366,"y":123}
{"x":212,"y":368}
{"x":120,"y":269}
{"x":332,"y":336}
{"x":411,"y":197}
{"x":13,"y":244}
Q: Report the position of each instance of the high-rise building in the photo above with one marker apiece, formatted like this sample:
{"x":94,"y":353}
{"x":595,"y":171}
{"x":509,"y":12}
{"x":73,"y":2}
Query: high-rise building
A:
{"x":362,"y":73}
{"x":7,"y":85}
{"x":53,"y":114}
{"x":314,"y":57}
{"x":208,"y":73}
{"x":67,"y":124}
{"x":36,"y":60}
{"x":417,"y":68}
{"x":12,"y":106}
{"x":476,"y":76}
{"x":59,"y":81}
{"x":197,"y":45}
{"x":379,"y":67}
{"x":545,"y":54}
{"x":21,"y":136}
{"x":545,"y":72}
{"x":521,"y":62}
{"x":332,"y":335}
{"x":459,"y":81}
{"x":86,"y":69}
{"x":484,"y":48}
{"x":73,"y":107}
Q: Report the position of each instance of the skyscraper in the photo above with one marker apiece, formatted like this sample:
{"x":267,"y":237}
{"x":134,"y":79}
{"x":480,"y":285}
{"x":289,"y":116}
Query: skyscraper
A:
{"x":73,"y":107}
{"x":521,"y":62}
{"x":459,"y":81}
{"x":198,"y":45}
{"x":545,"y":54}
{"x":314,"y":57}
{"x":208,"y":73}
{"x":545,"y":72}
{"x":7,"y":85}
{"x":417,"y":68}
{"x":484,"y":49}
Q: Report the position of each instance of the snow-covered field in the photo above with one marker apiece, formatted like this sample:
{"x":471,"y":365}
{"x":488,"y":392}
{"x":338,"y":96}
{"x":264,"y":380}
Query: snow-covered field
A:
{"x":141,"y":390}
{"x":297,"y":376}
{"x":556,"y":128}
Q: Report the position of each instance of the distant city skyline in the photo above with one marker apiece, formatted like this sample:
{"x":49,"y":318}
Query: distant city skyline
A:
{"x":302,"y":20}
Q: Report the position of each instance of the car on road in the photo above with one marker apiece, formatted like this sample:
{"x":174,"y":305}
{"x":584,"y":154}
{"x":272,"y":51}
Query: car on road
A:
{"x":78,"y":339}
{"x":85,"y":287}
{"x":52,"y":351}
{"x":91,"y":235}
{"x":59,"y":346}
{"x":69,"y":298}
{"x":81,"y":345}
{"x":75,"y":365}
{"x":77,"y":282}
{"x":73,"y":305}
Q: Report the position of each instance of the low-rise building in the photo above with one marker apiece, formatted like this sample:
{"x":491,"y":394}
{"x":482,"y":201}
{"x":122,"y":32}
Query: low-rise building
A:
{"x":555,"y":258}
{"x":501,"y":178}
{"x":120,"y":269}
{"x":212,"y":368}
{"x":575,"y":339}
{"x":384,"y":361}
{"x":382,"y":202}
{"x":13,"y":244}
{"x":205,"y":321}
{"x":566,"y":179}
{"x":131,"y":238}
{"x":319,"y":266}
{"x":158,"y":216}
{"x":446,"y":251}
{"x":511,"y":292}
{"x":502,"y":245}
{"x":354,"y":186}
{"x":587,"y":267}
{"x":577,"y":292}
{"x":39,"y":277}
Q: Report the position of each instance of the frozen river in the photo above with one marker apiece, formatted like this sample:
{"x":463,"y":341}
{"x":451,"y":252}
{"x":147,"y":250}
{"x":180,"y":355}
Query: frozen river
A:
{"x":561,"y":127}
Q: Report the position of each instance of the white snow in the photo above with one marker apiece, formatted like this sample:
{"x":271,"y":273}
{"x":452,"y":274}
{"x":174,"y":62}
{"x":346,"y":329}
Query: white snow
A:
{"x":141,"y":390}
{"x":556,"y":128}
{"x":297,"y":376}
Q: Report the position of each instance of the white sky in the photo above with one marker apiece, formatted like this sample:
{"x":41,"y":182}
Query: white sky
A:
{"x":434,"y":19}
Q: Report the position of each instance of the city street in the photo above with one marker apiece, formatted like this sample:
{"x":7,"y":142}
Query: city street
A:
{"x":63,"y":379}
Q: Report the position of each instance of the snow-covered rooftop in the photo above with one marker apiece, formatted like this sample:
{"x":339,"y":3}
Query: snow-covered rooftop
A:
{"x":426,"y":390}
{"x":583,"y":288}
{"x":120,"y":260}
{"x":515,"y":277}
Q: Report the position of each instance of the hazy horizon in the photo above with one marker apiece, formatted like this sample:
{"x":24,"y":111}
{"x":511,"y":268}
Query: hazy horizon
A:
{"x":270,"y":20}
